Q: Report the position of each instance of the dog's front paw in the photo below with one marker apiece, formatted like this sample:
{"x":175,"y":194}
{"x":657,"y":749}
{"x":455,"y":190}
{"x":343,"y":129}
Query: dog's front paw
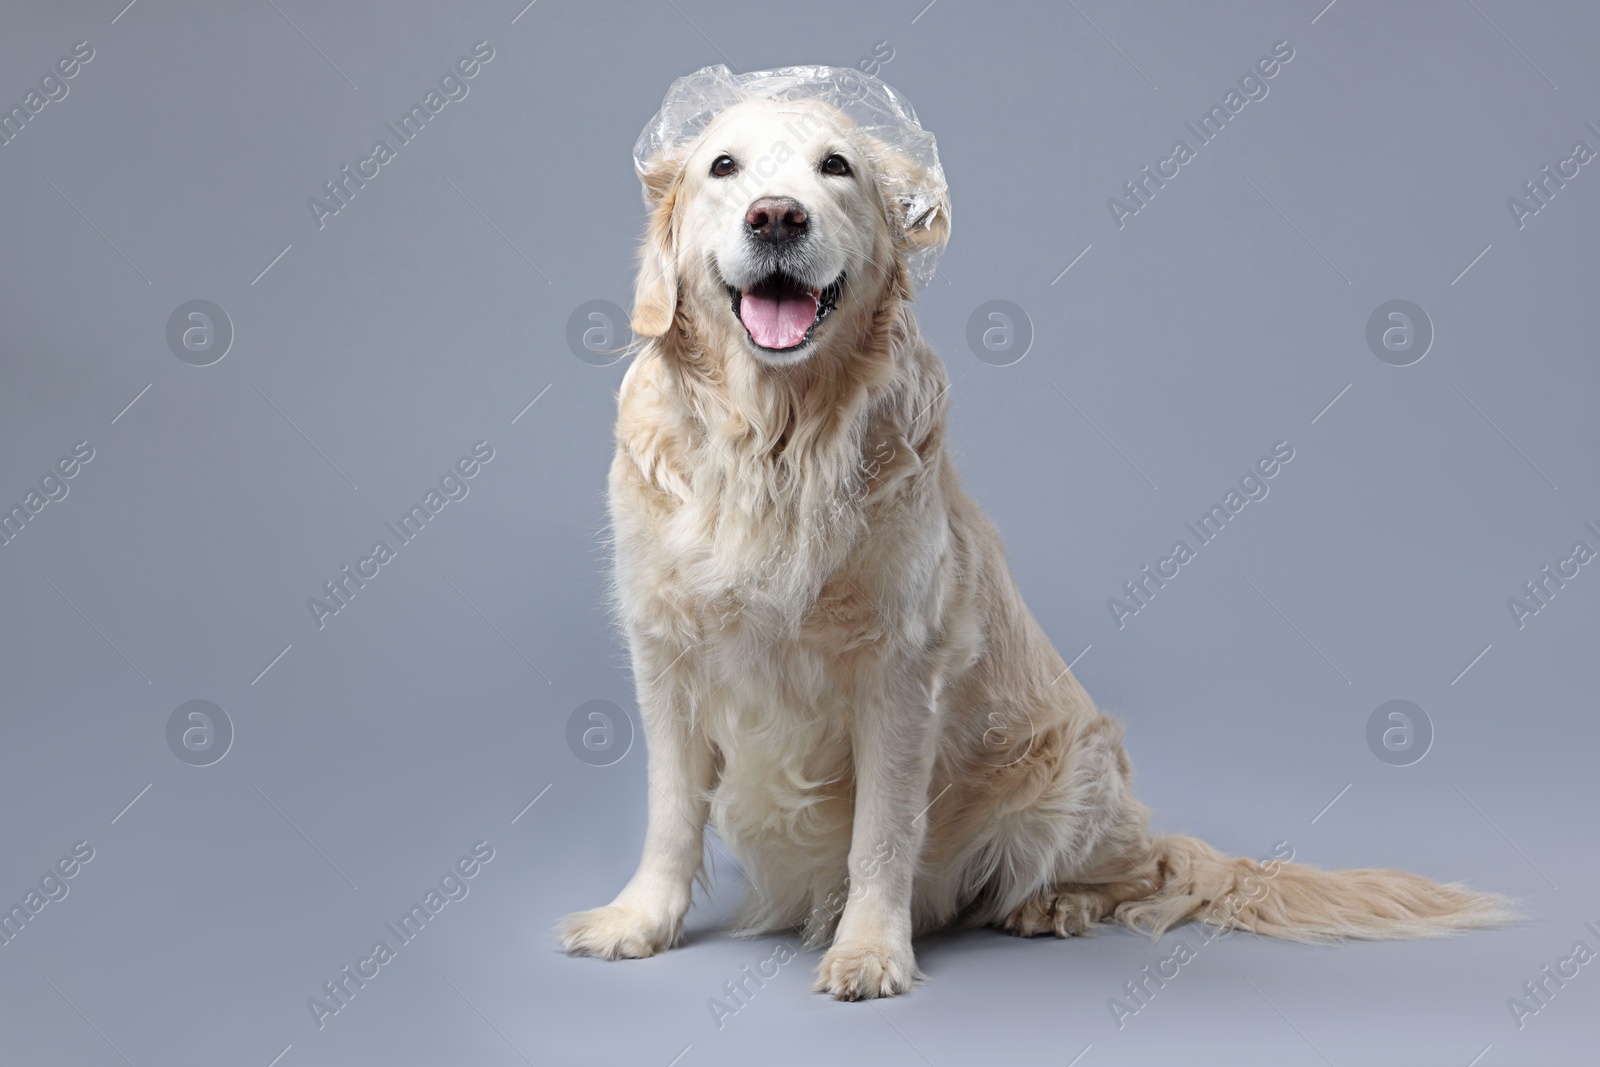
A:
{"x":615,"y":932}
{"x":863,"y":970}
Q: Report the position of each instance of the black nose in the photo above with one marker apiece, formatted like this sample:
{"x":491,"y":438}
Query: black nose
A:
{"x":776,"y":219}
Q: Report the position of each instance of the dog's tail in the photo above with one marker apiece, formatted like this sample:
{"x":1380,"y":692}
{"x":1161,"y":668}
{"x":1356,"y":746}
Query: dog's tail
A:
{"x":1301,"y":903}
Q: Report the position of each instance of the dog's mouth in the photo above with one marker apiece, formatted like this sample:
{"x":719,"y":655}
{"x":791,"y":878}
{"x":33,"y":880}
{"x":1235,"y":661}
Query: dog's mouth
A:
{"x":781,"y":314}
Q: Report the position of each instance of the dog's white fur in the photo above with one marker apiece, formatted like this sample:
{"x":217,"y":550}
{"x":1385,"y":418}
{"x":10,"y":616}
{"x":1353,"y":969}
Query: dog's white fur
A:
{"x":832,"y":661}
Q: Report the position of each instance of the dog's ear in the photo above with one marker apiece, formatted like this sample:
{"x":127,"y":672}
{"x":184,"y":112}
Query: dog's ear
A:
{"x":916,"y":199}
{"x":925,"y":220}
{"x":655,"y":292}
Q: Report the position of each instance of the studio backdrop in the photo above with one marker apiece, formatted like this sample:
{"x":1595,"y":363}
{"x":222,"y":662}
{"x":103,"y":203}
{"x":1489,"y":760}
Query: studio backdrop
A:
{"x":312,"y":318}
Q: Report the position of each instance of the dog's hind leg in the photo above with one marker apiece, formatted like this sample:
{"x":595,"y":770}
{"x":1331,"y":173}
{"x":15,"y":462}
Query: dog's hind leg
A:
{"x":1072,"y":909}
{"x":1077,"y":845}
{"x":1124,"y":865}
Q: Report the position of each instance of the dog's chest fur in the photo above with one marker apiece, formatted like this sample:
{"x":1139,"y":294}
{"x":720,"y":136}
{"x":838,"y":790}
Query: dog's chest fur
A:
{"x":760,"y":566}
{"x":754,"y":544}
{"x":772,"y":575}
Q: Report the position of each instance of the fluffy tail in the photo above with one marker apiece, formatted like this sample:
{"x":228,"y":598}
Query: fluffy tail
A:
{"x":1299,"y":903}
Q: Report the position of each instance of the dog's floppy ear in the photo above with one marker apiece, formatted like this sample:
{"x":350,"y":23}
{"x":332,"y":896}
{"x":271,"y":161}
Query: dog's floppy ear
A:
{"x":924,"y":221}
{"x":655,"y":292}
{"x":916,"y":200}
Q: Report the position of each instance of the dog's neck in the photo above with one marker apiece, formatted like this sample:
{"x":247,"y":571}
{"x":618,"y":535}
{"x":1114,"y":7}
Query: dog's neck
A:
{"x":775,"y":476}
{"x":813,"y":416}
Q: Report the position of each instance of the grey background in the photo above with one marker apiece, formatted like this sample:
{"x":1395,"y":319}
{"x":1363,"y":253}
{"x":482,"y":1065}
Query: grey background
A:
{"x":427,"y":314}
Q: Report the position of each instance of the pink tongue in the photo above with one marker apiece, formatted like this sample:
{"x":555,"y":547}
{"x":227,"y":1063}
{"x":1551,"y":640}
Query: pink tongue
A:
{"x":778,"y":320}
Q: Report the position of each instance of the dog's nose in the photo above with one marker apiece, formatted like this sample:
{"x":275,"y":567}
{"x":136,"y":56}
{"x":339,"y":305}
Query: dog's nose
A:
{"x":776,"y":219}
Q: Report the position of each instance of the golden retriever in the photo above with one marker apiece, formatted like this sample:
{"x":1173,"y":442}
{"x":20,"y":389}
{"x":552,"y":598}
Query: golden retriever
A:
{"x":832,"y":661}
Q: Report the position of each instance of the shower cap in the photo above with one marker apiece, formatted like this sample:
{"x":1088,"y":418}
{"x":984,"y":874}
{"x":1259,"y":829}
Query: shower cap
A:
{"x":695,"y":99}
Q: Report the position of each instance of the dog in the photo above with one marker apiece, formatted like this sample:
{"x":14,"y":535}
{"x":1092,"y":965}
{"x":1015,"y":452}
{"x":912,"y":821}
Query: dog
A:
{"x":833,"y":664}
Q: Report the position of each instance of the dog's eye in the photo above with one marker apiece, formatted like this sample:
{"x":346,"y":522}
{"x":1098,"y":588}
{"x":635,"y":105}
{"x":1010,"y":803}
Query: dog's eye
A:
{"x":723,"y":166}
{"x":836,"y":166}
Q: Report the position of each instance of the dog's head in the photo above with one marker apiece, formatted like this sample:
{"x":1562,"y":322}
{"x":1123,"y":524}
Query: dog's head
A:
{"x":779,"y":228}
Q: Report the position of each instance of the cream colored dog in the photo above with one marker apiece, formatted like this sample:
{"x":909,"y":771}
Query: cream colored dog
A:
{"x":832,"y":660}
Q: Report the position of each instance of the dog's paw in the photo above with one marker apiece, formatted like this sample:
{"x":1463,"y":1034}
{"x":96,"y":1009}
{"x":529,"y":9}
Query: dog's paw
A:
{"x":615,"y":932}
{"x":861,"y":971}
{"x":1058,"y":912}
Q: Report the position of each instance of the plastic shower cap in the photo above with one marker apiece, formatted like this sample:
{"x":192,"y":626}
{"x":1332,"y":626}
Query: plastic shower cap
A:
{"x":695,"y":99}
